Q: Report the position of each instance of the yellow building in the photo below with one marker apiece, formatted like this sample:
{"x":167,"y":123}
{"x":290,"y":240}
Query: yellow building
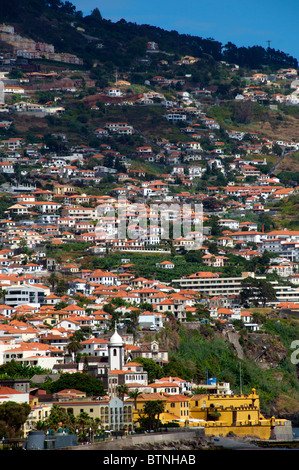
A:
{"x":39,"y":412}
{"x":235,"y":414}
{"x":233,"y":409}
{"x":144,"y":397}
{"x":114,"y":414}
{"x":220,"y":415}
{"x":177,"y":407}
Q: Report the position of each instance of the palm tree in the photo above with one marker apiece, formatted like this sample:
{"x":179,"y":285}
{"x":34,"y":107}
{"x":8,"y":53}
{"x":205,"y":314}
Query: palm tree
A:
{"x":151,"y":409}
{"x":59,"y":418}
{"x":121,"y":391}
{"x":96,"y":426}
{"x":83,"y":423}
{"x":135,"y":394}
{"x":74,"y":347}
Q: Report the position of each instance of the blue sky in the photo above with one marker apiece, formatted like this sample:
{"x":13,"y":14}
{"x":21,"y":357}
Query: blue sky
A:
{"x":243,"y":23}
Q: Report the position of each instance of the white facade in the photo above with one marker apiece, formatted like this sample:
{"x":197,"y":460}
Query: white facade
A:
{"x":9,"y":394}
{"x":116,"y":352}
{"x":26,"y":295}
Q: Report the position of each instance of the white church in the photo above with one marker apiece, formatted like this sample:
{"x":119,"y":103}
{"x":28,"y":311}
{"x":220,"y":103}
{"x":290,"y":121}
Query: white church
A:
{"x":120,"y":373}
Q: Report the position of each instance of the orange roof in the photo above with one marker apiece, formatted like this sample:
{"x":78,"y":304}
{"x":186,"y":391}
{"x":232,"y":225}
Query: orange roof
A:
{"x":204,"y":274}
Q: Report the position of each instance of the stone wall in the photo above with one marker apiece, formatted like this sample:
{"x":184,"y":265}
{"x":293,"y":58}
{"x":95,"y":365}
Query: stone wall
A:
{"x":129,"y":442}
{"x":283,"y":432}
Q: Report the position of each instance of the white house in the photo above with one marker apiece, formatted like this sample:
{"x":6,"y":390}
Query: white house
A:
{"x":148,"y":318}
{"x":34,"y":354}
{"x":165,"y":265}
{"x":10,"y":394}
{"x":170,"y":385}
{"x":114,"y":92}
{"x":134,"y":373}
{"x":102,"y":277}
{"x":229,"y":223}
{"x":95,"y":347}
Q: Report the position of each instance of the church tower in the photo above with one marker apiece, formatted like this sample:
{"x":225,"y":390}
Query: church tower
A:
{"x":116,"y":351}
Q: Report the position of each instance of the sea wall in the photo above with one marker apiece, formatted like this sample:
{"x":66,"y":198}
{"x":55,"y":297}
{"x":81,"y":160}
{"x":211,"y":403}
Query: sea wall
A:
{"x":130,"y":442}
{"x":283,"y":432}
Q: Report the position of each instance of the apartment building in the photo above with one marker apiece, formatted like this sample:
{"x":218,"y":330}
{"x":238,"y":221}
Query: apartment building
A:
{"x":115,"y":415}
{"x":26,"y":295}
{"x":79,"y":212}
{"x":212,"y":284}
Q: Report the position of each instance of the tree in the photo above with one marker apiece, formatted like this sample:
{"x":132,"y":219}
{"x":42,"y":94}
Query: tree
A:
{"x":96,"y":14}
{"x":230,"y":52}
{"x":213,"y":415}
{"x":12,"y":416}
{"x":256,"y":291}
{"x":193,"y":256}
{"x":79,"y":335}
{"x":83,"y":382}
{"x":122,"y":390}
{"x":53,"y":280}
{"x":60,"y":305}
{"x":248,"y":292}
{"x":266,"y":292}
{"x":211,"y":204}
{"x":61,"y":287}
{"x":242,"y":112}
{"x":134,"y":394}
{"x":153,"y":369}
{"x":64,"y":419}
{"x":260,"y":264}
{"x":215,"y":227}
{"x":276,"y":149}
{"x":15,"y":74}
{"x":16,"y":369}
{"x":83,"y":423}
{"x":68,"y":8}
{"x":151,"y":409}
{"x":59,"y":419}
{"x":74,"y":347}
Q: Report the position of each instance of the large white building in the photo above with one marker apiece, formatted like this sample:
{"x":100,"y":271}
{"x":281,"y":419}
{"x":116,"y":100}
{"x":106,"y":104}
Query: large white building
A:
{"x":26,"y":295}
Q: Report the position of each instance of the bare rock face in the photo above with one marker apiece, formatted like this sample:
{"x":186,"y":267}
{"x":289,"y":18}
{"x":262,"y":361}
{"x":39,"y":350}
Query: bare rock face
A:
{"x":266,"y":350}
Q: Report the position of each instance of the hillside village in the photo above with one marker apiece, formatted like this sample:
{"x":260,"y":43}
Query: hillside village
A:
{"x":65,"y":269}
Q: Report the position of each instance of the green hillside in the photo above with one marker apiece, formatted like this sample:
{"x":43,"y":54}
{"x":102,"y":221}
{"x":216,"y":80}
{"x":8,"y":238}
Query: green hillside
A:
{"x":60,"y":24}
